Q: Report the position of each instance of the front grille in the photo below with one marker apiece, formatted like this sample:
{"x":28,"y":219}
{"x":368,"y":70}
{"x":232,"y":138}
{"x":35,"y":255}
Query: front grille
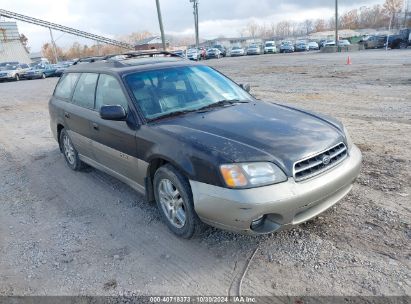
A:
{"x":320,"y":162}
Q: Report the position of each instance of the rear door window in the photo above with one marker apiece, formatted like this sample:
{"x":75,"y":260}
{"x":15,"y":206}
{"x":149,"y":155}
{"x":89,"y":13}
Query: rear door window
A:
{"x":66,"y":85}
{"x":109,"y":92}
{"x":84,"y":93}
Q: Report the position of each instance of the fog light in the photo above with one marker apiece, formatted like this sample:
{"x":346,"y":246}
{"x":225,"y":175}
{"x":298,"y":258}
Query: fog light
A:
{"x":257,"y":222}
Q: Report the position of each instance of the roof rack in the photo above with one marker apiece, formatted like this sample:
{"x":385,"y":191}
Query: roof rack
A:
{"x":128,"y":55}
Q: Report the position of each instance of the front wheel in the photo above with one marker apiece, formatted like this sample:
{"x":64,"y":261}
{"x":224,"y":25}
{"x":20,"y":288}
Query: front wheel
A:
{"x":174,"y":199}
{"x":43,"y":76}
{"x":17,"y":77}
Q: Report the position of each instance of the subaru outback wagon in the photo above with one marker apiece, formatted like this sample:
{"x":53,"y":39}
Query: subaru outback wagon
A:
{"x":199,"y":145}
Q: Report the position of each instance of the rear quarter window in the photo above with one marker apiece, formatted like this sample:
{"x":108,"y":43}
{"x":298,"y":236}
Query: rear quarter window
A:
{"x":66,"y":85}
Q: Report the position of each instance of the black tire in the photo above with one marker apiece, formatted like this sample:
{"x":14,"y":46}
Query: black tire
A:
{"x":403,"y":45}
{"x":43,"y":76}
{"x":17,"y":77}
{"x":192,"y":225}
{"x":74,"y":161}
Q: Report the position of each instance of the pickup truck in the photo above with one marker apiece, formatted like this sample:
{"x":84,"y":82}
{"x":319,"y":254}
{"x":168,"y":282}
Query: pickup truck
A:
{"x":400,"y":40}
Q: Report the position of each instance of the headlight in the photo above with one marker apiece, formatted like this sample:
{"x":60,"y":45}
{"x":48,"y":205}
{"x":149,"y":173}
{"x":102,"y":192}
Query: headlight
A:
{"x":10,"y":75}
{"x":347,"y":138}
{"x":244,"y":175}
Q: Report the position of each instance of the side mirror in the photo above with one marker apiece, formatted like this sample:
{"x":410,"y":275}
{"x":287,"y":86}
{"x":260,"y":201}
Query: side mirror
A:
{"x":245,"y":87}
{"x":115,"y":112}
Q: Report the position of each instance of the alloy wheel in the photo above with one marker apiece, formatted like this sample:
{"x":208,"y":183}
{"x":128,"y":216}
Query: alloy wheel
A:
{"x":68,"y":150}
{"x":172,"y":203}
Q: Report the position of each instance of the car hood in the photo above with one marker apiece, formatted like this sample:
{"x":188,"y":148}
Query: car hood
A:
{"x":256,"y":131}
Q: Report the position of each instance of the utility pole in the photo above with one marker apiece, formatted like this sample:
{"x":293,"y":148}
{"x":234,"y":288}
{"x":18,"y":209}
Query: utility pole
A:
{"x":160,"y":21}
{"x":195,"y":12}
{"x":54,"y":48}
{"x":336,"y":24}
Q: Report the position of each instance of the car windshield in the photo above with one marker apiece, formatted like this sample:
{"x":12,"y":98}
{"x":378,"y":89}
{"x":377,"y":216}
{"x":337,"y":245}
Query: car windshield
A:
{"x":236,"y":48}
{"x":269,"y":44}
{"x":183,"y":89}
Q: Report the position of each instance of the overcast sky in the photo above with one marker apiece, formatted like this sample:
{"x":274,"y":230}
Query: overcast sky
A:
{"x":115,"y":18}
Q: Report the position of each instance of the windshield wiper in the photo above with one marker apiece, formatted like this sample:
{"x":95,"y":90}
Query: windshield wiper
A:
{"x":171,"y":114}
{"x":212,"y":105}
{"x":221,"y":103}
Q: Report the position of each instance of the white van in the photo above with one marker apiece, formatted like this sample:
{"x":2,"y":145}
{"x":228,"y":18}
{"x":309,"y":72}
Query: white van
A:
{"x":270,"y":47}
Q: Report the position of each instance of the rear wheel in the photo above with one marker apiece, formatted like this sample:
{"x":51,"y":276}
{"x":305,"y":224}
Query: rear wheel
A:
{"x":69,"y":152}
{"x":174,"y":199}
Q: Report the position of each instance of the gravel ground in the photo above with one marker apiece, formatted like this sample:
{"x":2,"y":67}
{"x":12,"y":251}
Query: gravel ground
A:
{"x":85,"y":233}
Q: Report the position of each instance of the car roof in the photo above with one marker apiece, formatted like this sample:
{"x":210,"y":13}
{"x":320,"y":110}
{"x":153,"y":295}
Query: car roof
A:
{"x":135,"y":62}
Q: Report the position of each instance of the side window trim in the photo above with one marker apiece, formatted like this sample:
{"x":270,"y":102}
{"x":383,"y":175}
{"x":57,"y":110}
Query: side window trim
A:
{"x":95,"y":93}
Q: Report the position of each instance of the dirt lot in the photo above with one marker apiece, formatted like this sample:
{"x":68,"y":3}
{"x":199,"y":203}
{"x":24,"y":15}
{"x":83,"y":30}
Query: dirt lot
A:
{"x":70,"y":233}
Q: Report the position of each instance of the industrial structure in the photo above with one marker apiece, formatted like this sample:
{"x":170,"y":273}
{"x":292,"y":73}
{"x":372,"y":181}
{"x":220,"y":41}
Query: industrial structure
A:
{"x":12,"y":29}
{"x":11,"y":46}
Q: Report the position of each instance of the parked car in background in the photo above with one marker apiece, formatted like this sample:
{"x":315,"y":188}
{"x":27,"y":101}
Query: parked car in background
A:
{"x":286,"y":47}
{"x":61,"y":67}
{"x":400,"y":40}
{"x":194,"y":54}
{"x":313,"y":46}
{"x":221,"y":48}
{"x":270,"y":47}
{"x":200,"y":146}
{"x":213,"y":53}
{"x":301,"y":46}
{"x":322,"y":43}
{"x":343,"y":42}
{"x":37,"y":71}
{"x":374,"y":42}
{"x":254,"y":49}
{"x":3,"y":64}
{"x":13,"y":71}
{"x":180,"y":53}
{"x":237,"y":51}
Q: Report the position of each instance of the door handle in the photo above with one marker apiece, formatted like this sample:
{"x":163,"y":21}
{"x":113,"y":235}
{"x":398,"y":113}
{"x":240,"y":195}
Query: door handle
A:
{"x":95,"y":126}
{"x":66,"y":115}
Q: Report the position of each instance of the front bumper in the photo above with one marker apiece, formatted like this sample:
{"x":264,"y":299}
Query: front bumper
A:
{"x":282,"y":204}
{"x":7,"y":77}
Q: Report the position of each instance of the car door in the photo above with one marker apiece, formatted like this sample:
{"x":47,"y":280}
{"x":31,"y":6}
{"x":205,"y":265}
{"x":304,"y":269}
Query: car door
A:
{"x":79,"y":112}
{"x":115,"y":141}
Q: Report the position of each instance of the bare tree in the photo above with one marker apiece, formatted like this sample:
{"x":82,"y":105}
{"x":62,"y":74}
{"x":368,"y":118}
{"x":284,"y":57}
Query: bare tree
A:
{"x":308,"y":26}
{"x":252,"y":29}
{"x":392,"y":8}
{"x":319,"y":25}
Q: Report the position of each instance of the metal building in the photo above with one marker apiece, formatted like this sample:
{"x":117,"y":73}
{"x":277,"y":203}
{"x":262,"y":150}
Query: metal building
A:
{"x":11,"y":48}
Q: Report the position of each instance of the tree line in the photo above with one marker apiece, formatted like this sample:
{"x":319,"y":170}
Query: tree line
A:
{"x":375,"y":17}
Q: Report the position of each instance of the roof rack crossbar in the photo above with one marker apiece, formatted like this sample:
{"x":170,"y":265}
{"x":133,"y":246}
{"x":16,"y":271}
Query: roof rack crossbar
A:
{"x":142,"y":54}
{"x":127,"y":55}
